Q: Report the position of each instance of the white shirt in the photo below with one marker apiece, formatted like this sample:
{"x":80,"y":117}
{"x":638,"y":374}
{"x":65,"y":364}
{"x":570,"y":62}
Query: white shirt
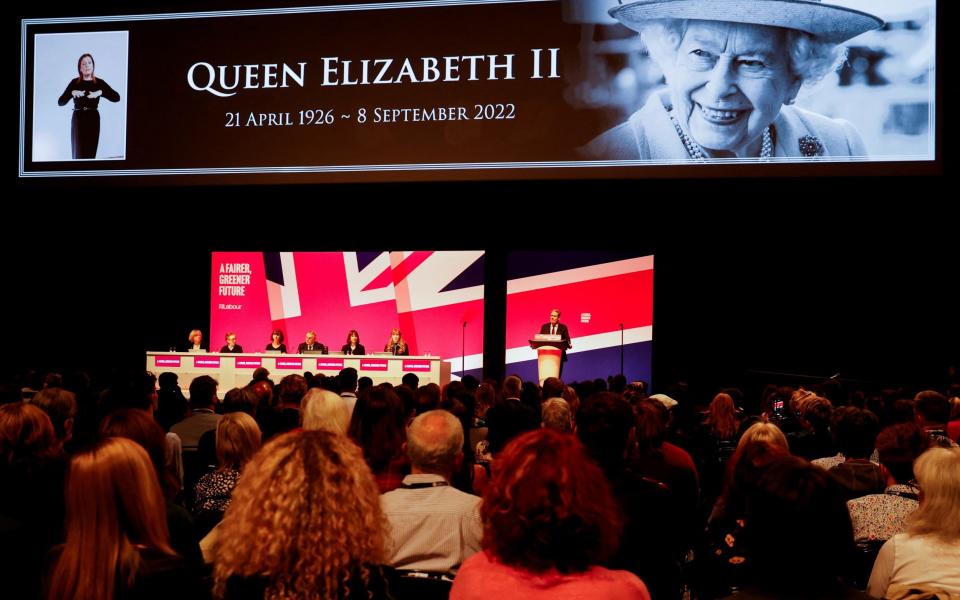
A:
{"x":431,"y":528}
{"x":916,"y":561}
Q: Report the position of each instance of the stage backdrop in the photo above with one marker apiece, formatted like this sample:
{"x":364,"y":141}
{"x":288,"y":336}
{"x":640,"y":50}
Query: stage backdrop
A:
{"x":432,"y":297}
{"x":600,"y":296}
{"x":439,"y":89}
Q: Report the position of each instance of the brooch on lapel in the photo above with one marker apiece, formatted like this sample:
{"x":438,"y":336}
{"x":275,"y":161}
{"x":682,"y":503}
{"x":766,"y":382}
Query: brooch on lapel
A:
{"x":810,"y":146}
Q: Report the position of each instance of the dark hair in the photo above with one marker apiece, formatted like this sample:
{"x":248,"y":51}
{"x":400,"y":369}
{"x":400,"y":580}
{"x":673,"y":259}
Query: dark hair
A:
{"x":276,"y":332}
{"x":203,"y":392}
{"x":855,"y":431}
{"x":603,"y":425}
{"x":745,"y":468}
{"x":353,"y":332}
{"x":411,"y":380}
{"x":899,"y":446}
{"x":348,"y":379}
{"x":292,"y":389}
{"x":377,"y":426}
{"x":93,"y":74}
{"x":241,"y":400}
{"x":797,"y":522}
{"x":549,"y":506}
{"x":933,"y":407}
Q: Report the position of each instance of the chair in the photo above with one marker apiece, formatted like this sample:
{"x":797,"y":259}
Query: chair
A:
{"x":866,"y":555}
{"x":420,"y":585}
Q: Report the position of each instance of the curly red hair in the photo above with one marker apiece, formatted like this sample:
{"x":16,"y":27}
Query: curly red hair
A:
{"x":549,"y":506}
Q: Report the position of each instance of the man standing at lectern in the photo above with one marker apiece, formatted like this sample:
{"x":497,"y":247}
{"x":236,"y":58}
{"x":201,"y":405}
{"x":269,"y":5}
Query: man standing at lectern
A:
{"x":555,"y":327}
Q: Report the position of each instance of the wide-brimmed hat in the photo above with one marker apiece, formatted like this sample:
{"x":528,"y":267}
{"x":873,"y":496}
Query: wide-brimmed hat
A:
{"x":825,"y":21}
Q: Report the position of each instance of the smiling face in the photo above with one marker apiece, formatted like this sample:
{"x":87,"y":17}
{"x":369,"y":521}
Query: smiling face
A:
{"x":231,"y":340}
{"x":354,"y":339}
{"x":395,"y":337}
{"x":728,"y":82}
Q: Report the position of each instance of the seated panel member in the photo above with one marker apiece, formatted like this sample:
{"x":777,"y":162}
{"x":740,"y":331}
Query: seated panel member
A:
{"x":396,"y":345}
{"x":276,"y":342}
{"x":353,"y":345}
{"x":231,"y":347}
{"x":196,"y":341}
{"x":311,"y":343}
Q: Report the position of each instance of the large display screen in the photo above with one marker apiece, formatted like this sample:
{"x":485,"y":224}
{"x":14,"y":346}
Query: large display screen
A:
{"x":604,"y":299}
{"x":453,"y":89}
{"x":435,"y":298}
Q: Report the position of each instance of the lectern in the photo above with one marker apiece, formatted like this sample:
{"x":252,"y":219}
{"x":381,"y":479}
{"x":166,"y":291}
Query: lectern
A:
{"x":549,"y":353}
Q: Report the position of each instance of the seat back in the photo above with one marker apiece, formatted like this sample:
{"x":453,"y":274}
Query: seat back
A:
{"x":420,"y":585}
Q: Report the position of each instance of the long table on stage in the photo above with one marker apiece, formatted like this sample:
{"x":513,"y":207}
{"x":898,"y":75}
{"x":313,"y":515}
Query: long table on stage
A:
{"x":236,"y":370}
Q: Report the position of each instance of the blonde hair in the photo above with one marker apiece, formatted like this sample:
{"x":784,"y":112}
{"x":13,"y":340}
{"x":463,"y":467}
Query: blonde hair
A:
{"x":238,"y":439}
{"x":764,"y":432}
{"x":400,"y":342}
{"x":306,"y":515}
{"x":113,"y":503}
{"x":322,"y":409}
{"x":193,"y":332}
{"x":938,"y":475}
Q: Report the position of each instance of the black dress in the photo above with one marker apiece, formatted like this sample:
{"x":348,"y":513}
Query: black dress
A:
{"x":282,"y":348}
{"x":85,"y":124}
{"x":359,"y":350}
{"x":237,"y":349}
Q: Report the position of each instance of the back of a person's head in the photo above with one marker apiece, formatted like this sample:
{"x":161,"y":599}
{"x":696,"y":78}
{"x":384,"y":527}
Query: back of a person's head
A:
{"x":552,"y":388}
{"x":241,"y":400}
{"x":323,"y":409}
{"x":291,"y":390}
{"x":411,"y":380}
{"x":137,"y":425}
{"x":817,"y":410}
{"x":60,"y":405}
{"x":722,"y":416}
{"x":744,"y":469}
{"x":555,"y":414}
{"x":305,"y":513}
{"x":113,"y":505}
{"x":427,"y":398}
{"x":238,"y":439}
{"x":899,"y":446}
{"x":203,"y":392}
{"x":938,"y":477}
{"x":651,"y":420}
{"x":855,"y":432}
{"x":618,"y":383}
{"x":764,"y":432}
{"x":453,"y":389}
{"x":506,"y":421}
{"x":603,"y":425}
{"x":168,"y":380}
{"x":26,"y":434}
{"x":348,"y":379}
{"x":471,"y":383}
{"x":435,"y":441}
{"x":549,"y":506}
{"x":512,"y":386}
{"x":798,"y":531}
{"x":364,"y":383}
{"x":377,"y":425}
{"x":933,"y":407}
{"x":260,"y":374}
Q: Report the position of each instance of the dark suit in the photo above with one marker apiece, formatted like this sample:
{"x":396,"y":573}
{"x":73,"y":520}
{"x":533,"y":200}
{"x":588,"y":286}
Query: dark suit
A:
{"x":564,"y":338}
{"x":358,"y":350}
{"x":316,"y":346}
{"x":236,"y":349}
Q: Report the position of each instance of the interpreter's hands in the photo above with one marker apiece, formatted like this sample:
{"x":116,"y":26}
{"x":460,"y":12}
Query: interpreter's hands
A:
{"x":78,"y":93}
{"x":95,"y":94}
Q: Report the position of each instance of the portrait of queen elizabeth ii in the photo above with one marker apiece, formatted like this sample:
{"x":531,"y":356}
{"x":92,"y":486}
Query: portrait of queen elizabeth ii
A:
{"x":733,"y":69}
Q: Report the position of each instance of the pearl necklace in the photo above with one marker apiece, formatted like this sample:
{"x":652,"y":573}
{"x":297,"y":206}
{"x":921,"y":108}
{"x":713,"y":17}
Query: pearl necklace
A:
{"x":696,"y":152}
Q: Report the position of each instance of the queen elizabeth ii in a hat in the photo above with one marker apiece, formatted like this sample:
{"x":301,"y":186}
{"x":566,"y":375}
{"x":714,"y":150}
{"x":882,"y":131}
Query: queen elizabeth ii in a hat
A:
{"x":733,"y":68}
